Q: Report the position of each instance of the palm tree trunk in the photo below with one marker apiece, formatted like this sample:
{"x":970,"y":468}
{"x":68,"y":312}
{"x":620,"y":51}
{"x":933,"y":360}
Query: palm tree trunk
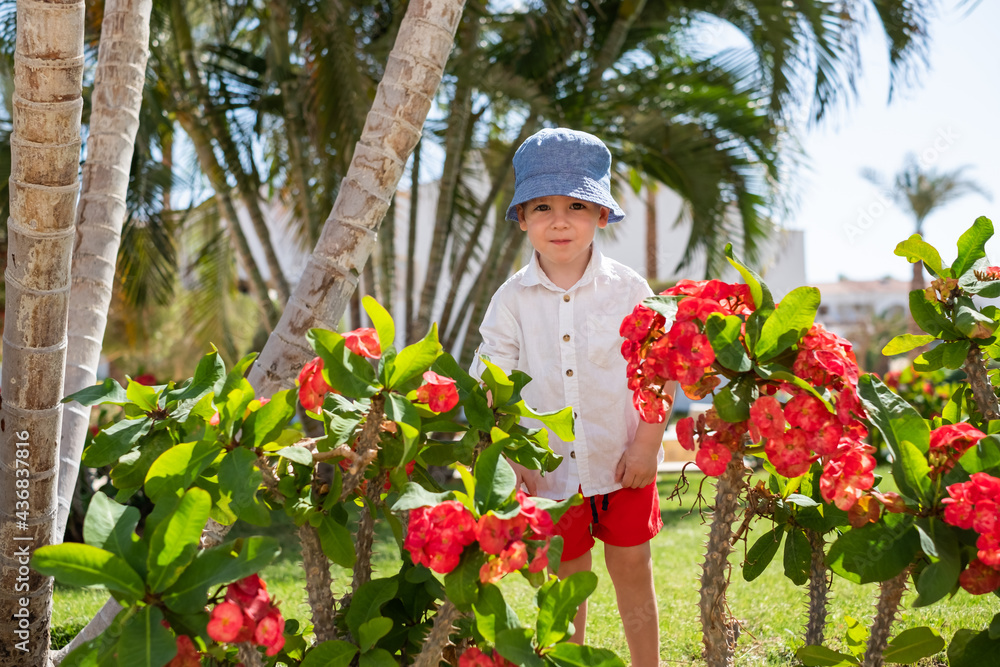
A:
{"x":217,"y":127}
{"x":393,"y":127}
{"x":114,"y":121}
{"x":458,"y":120}
{"x":387,"y":257}
{"x":652,"y":270}
{"x":411,"y":245}
{"x":488,"y":205}
{"x":44,"y":185}
{"x":916,"y":283}
{"x":501,"y":235}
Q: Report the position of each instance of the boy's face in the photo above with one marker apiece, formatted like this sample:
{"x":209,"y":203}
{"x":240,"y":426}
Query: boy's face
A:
{"x":562,"y":228}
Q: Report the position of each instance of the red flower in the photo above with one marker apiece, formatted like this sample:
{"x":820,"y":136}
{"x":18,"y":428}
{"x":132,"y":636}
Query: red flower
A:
{"x":948,"y":443}
{"x":225,"y":622}
{"x":511,"y":559}
{"x":651,"y":408}
{"x":437,"y":535}
{"x":789,"y":454}
{"x":979,"y":578}
{"x":494,"y":533}
{"x":959,"y":507}
{"x":312,"y":386}
{"x":989,"y":549}
{"x":146,"y":379}
{"x":808,"y":413}
{"x":766,"y":414}
{"x":847,"y":477}
{"x":541,"y":559}
{"x":685,"y":433}
{"x":702,"y":388}
{"x":438,"y":392}
{"x":270,"y":632}
{"x":187,"y":654}
{"x":539,"y":520}
{"x":865,"y":511}
{"x":636,"y":325}
{"x":712,"y":457}
{"x":473,"y":657}
{"x":363,"y":342}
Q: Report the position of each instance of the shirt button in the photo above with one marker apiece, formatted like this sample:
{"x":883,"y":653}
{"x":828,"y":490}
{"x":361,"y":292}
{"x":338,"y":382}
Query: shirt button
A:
{"x":569,"y":373}
{"x":572,"y":454}
{"x":566,"y":337}
{"x":565,"y":297}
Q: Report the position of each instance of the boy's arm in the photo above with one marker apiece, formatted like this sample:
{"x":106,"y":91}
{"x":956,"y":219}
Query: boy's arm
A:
{"x":637,"y":466}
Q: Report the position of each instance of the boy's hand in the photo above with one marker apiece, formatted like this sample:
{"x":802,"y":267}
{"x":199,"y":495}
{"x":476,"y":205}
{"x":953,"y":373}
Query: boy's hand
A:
{"x":637,"y":466}
{"x":529,"y":478}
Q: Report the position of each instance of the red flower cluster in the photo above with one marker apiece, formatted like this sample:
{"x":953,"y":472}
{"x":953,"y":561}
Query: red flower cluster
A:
{"x":975,"y":505}
{"x":438,"y":392}
{"x":312,"y":386}
{"x":683,"y":353}
{"x":187,"y":654}
{"x":437,"y":535}
{"x":248,"y":614}
{"x":473,"y":657}
{"x":717,"y":440}
{"x":826,"y":360}
{"x":502,"y":537}
{"x":948,"y":443}
{"x":363,"y":342}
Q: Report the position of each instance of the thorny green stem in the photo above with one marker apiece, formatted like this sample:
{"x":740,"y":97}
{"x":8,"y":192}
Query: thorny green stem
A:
{"x":367,"y":447}
{"x":439,"y":637}
{"x":819,"y":582}
{"x":366,"y":532}
{"x":889,"y":595}
{"x":319,"y":584}
{"x":975,"y":369}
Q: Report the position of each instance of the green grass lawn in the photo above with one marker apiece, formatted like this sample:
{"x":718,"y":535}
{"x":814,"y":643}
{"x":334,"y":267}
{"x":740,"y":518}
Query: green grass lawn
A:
{"x":770,"y":609}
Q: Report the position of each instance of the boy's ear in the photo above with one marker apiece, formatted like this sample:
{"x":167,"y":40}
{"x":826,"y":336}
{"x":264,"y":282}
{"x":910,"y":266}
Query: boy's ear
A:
{"x":520,"y":218}
{"x":602,"y":222}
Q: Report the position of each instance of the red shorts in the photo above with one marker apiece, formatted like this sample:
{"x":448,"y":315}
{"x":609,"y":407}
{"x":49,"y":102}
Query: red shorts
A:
{"x":622,"y":518}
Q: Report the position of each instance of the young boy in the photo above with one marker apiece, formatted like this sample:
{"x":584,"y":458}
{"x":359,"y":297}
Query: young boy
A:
{"x":557,"y":319}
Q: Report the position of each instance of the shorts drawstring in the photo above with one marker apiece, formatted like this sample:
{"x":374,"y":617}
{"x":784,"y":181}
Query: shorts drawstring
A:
{"x":604,"y":503}
{"x":593,"y":509}
{"x":593,"y":506}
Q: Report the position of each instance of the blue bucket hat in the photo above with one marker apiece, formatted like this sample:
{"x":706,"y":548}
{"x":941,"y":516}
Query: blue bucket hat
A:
{"x":563,"y":162}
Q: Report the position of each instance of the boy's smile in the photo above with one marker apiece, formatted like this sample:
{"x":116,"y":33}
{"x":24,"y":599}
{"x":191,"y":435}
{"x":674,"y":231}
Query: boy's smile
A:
{"x":561,"y":229}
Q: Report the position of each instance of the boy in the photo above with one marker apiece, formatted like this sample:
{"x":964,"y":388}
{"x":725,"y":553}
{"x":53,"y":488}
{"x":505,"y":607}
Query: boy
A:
{"x":557,"y":319}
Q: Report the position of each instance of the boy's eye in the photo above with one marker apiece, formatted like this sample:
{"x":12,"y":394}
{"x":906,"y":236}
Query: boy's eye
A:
{"x":542,"y":207}
{"x":578,"y":206}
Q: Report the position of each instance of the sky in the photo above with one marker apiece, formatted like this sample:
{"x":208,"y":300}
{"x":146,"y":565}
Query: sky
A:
{"x":951,"y":119}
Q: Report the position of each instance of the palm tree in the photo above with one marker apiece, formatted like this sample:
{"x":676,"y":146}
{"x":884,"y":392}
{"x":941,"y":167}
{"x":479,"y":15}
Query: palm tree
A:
{"x":45,"y":150}
{"x":920,"y":191}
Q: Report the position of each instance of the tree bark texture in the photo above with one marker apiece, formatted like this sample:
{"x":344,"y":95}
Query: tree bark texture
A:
{"x":392,"y":129}
{"x":44,"y":185}
{"x":718,"y":633}
{"x":890,"y":593}
{"x":819,"y":582}
{"x":114,"y":121}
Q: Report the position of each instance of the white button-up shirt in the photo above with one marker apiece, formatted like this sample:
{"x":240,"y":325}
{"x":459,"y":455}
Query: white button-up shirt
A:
{"x":567,"y":341}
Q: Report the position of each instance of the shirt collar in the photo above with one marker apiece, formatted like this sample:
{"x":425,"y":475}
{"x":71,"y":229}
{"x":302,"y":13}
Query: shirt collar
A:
{"x":534,"y":275}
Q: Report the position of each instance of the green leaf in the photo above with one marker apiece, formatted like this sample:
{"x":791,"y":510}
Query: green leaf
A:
{"x":461,"y":585}
{"x":665,"y":305}
{"x":915,"y":470}
{"x":143,"y":396}
{"x":912,"y":645}
{"x":994,"y":628}
{"x":174,"y":542}
{"x":493,"y":614}
{"x":916,"y":249}
{"x":557,"y":605}
{"x":297,"y":454}
{"x":145,"y":642}
{"x":790,"y":320}
{"x":821,"y":656}
{"x":972,"y":323}
{"x":733,"y":401}
{"x":877,"y":552}
{"x":217,"y":565}
{"x":373,"y":630}
{"x":239,"y":478}
{"x":112,"y":442}
{"x":986,"y":289}
{"x":83,"y":565}
{"x":574,"y":655}
{"x":367,"y":601}
{"x":108,"y":391}
{"x":969,"y":648}
{"x":345,"y":371}
{"x":495,"y":478}
{"x":559,"y":421}
{"x":377,"y":657}
{"x":381,"y":320}
{"x":972,"y":245}
{"x":762,"y":298}
{"x":896,"y":420}
{"x":415,"y":496}
{"x":797,"y":557}
{"x":337,"y":542}
{"x":929,"y":317}
{"x":940,"y":577}
{"x":500,"y":386}
{"x":177,"y":468}
{"x":267,"y":422}
{"x":209,"y":377}
{"x":774,"y":372}
{"x":906,"y":342}
{"x":515,"y":645}
{"x":944,"y":355}
{"x":414,"y":359}
{"x":761,"y":553}
{"x":103,"y":514}
{"x":399,"y":409}
{"x":332,"y":653}
{"x":556,"y":508}
{"x":724,"y":334}
{"x":983,"y":457}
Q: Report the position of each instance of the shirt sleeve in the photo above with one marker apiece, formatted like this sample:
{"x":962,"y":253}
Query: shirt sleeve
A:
{"x":501,"y":343}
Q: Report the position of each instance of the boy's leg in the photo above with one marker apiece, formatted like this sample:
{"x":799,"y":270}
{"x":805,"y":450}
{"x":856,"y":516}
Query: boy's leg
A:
{"x":581,"y":564}
{"x":631,"y":570}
